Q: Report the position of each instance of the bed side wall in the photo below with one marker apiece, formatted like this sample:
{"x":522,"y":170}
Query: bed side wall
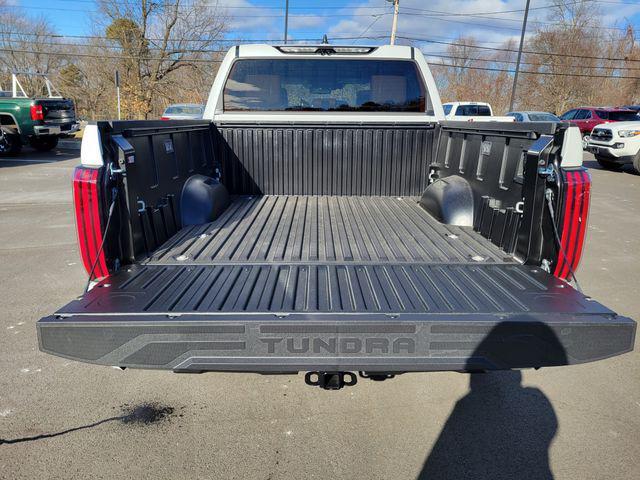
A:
{"x":156,"y":158}
{"x":490,"y":159}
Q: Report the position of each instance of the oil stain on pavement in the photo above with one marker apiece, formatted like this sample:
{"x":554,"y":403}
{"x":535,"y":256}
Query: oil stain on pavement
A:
{"x":146,"y":413}
{"x":143,"y":414}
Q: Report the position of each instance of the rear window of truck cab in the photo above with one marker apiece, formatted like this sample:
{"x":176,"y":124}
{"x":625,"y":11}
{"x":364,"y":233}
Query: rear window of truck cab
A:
{"x":325,"y":85}
{"x":184,"y":110}
{"x":473,"y":111}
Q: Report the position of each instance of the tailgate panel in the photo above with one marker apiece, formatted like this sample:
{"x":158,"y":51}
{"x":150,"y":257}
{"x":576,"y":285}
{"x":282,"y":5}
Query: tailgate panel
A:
{"x":57,"y":111}
{"x":261,"y":344}
{"x":371,"y":317}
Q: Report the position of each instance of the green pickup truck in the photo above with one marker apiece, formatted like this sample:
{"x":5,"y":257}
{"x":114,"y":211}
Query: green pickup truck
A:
{"x":37,"y":121}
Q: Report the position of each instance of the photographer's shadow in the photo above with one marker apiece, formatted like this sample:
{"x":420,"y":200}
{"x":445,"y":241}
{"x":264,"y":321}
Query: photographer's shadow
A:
{"x":500,"y":429}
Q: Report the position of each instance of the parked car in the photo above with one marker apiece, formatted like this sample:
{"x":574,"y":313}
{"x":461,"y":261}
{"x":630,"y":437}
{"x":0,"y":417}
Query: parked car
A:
{"x":635,"y":108}
{"x":37,"y":120}
{"x":616,"y":144}
{"x":472,"y":111}
{"x":527,"y":116}
{"x":183,"y":111}
{"x":586,"y":118}
{"x":323,"y":218}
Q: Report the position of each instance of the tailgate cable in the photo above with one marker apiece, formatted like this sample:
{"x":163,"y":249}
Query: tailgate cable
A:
{"x":104,"y":237}
{"x":549,"y":196}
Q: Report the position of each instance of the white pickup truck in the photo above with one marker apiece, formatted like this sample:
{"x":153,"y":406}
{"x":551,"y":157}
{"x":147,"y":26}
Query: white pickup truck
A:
{"x":616,"y":144}
{"x":472,"y":112}
{"x":324,"y":218}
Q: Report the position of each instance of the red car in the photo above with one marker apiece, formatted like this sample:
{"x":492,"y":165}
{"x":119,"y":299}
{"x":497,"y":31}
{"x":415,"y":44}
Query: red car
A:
{"x":585,"y":118}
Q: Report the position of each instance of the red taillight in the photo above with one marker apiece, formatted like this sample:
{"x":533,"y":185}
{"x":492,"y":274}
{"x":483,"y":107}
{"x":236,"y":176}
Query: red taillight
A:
{"x":36,"y":112}
{"x":577,"y":188}
{"x":165,"y":118}
{"x":85,"y":199}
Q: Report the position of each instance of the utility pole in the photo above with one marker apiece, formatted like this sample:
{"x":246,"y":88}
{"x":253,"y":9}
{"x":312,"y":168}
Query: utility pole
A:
{"x":286,"y":21}
{"x":394,"y":26}
{"x":515,"y":75}
{"x":117,"y":79}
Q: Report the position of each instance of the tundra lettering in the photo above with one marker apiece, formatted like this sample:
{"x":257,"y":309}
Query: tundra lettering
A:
{"x":342,"y":345}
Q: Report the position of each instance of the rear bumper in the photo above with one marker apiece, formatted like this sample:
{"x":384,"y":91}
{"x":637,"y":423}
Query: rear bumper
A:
{"x":62,"y":129}
{"x":377,"y":343}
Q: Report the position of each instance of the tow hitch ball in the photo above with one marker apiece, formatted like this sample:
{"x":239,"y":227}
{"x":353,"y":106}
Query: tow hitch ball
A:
{"x":337,"y":380}
{"x":330,"y":380}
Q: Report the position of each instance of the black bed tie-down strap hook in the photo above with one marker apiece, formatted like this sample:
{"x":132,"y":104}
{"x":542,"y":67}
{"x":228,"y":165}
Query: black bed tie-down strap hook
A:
{"x":330,"y":380}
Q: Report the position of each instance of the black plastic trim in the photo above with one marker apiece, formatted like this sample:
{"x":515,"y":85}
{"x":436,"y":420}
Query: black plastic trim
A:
{"x":438,"y":342}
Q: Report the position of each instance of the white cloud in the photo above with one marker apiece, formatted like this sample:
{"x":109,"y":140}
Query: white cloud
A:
{"x":420,"y":19}
{"x":252,"y":21}
{"x":305,"y":21}
{"x":417,"y":19}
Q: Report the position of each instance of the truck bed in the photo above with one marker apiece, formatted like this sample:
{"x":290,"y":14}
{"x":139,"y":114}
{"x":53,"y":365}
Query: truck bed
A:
{"x":319,"y":254}
{"x":326,"y":230}
{"x":290,"y":283}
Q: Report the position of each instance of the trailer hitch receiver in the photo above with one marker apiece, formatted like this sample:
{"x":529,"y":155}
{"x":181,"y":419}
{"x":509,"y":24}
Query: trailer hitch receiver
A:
{"x":330,"y":380}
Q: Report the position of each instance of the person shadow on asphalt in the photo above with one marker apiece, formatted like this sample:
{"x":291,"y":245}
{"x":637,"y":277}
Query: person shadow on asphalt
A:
{"x":500,"y":429}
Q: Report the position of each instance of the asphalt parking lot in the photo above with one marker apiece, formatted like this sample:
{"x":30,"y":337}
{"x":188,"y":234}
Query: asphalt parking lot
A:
{"x":65,"y":420}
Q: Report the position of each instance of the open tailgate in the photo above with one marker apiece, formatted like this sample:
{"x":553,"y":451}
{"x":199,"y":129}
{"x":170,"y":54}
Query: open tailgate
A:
{"x":366,"y":317}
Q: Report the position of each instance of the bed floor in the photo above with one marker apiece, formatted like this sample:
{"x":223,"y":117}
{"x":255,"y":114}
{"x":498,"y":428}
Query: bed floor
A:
{"x":326,"y":230}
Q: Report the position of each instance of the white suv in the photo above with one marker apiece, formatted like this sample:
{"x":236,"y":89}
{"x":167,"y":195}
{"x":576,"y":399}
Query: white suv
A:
{"x":616,"y":144}
{"x":472,"y":112}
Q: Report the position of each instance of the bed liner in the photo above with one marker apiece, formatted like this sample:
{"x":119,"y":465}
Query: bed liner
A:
{"x":324,"y":230}
{"x":294,"y":283}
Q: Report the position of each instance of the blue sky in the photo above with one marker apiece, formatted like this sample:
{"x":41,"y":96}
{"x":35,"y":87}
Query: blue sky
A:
{"x":310,"y":19}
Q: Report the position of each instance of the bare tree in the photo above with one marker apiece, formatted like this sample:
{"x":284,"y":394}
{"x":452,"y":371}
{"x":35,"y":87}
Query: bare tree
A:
{"x":155,"y":42}
{"x":472,"y":74}
{"x":577,"y":62}
{"x":574,"y":53}
{"x":24,"y":46}
{"x":88,"y":79}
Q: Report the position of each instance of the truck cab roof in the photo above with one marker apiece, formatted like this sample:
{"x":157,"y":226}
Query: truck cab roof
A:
{"x":323,"y":50}
{"x":467,"y":103}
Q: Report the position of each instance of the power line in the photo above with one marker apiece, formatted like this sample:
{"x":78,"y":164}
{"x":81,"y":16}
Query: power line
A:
{"x":434,"y":14}
{"x":238,"y":7}
{"x":498,"y":49}
{"x":342,"y":6}
{"x":375,"y":37}
{"x":516,"y":10}
{"x":201,"y":60}
{"x":114,"y":57}
{"x":556,"y":54}
{"x":298,"y":15}
{"x":378,"y":17}
{"x":492,"y":60}
{"x":241,"y":41}
{"x":199,"y":39}
{"x":617,"y":77}
{"x":427,"y":54}
{"x":120,"y":47}
{"x":461,"y":22}
{"x":484,"y":16}
{"x":473,"y":37}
